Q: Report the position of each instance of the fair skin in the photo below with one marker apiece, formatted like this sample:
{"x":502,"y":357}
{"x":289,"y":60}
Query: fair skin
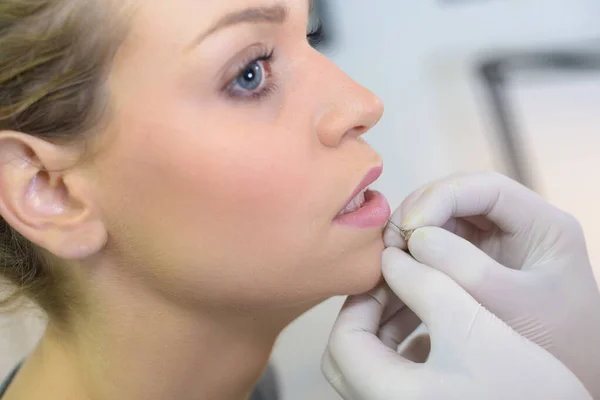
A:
{"x":205,"y":221}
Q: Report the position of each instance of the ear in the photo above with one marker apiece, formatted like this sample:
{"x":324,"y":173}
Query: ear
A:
{"x":44,"y":197}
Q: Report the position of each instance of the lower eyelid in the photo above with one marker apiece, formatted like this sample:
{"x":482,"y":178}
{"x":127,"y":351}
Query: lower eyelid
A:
{"x":265,"y":92}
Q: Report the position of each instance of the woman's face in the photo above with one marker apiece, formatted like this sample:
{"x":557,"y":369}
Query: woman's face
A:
{"x":233,"y":145}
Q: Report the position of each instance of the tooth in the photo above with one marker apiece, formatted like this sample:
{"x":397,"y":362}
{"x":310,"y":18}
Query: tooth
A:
{"x":356,"y":203}
{"x":361,"y":198}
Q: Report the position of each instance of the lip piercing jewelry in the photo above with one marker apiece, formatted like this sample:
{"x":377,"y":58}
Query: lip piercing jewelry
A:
{"x":405,"y":233}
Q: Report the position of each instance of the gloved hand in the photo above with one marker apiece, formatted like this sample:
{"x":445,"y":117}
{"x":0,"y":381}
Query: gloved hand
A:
{"x":521,"y":258}
{"x":474,"y":355}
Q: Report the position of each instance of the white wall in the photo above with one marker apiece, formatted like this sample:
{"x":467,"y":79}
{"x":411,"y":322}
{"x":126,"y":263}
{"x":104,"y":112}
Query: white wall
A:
{"x":417,"y":56}
{"x":18,"y":334}
{"x":560,"y":115}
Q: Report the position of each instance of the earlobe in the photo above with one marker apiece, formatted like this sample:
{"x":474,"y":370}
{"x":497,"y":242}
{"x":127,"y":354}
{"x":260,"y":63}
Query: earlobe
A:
{"x":39,"y":199}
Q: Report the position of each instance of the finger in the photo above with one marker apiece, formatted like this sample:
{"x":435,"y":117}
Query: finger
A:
{"x":509,"y":205}
{"x":364,"y":312}
{"x":334,"y":376}
{"x":436,"y":299}
{"x":392,"y":235}
{"x":392,"y":382}
{"x":398,"y":328}
{"x":466,"y":264}
{"x":354,"y":347}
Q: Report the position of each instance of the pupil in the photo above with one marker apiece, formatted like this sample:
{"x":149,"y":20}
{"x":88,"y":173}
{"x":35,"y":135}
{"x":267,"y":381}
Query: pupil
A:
{"x":249,"y":74}
{"x":251,"y":78}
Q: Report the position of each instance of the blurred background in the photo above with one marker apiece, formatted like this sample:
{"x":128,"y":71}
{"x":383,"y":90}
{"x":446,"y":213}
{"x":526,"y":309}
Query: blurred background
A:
{"x":469,"y":85}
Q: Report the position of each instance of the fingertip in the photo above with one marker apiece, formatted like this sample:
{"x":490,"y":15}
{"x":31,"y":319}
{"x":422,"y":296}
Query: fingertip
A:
{"x":397,"y":221}
{"x":398,"y":268}
{"x":392,"y":237}
{"x":392,"y":257}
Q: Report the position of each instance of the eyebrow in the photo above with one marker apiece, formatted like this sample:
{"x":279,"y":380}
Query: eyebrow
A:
{"x":276,"y":14}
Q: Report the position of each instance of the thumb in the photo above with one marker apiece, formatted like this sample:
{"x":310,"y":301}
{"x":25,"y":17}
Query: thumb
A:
{"x":444,"y":307}
{"x":471,"y":268}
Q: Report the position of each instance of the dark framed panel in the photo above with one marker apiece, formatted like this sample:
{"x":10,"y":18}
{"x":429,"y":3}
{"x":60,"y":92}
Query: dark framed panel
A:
{"x":464,"y":2}
{"x":496,"y":74}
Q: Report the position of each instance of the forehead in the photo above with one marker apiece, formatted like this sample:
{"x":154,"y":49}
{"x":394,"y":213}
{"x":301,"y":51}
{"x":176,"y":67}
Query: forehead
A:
{"x":179,"y":21}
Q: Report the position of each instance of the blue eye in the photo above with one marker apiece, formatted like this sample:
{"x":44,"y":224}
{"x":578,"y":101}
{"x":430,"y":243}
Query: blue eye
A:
{"x":254,"y":79}
{"x":251,"y":77}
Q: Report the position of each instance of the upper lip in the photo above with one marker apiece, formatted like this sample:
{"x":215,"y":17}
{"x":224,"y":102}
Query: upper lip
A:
{"x":371,"y":176}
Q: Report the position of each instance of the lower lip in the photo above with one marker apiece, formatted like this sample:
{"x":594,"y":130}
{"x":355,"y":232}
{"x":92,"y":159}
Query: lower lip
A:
{"x":373,"y":214}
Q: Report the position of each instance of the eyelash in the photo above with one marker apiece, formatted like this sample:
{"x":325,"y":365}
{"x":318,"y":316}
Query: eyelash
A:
{"x":313,"y":37}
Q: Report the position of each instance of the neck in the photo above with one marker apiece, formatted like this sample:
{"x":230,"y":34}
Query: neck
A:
{"x":140,"y":347}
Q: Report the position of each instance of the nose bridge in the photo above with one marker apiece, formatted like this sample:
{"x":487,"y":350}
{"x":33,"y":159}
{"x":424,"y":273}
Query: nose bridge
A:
{"x":347,"y":107}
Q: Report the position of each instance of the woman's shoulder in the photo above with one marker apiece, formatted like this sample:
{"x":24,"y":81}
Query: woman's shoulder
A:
{"x":4,"y":384}
{"x":267,"y":388}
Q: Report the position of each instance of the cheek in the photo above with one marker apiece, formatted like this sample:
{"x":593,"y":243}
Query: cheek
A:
{"x":254,"y":184}
{"x":218,"y":191}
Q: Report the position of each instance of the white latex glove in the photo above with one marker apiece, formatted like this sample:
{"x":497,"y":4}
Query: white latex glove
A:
{"x":474,"y":355}
{"x":520,"y":257}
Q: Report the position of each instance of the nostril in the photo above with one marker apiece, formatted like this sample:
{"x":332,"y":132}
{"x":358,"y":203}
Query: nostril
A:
{"x":357,"y":131}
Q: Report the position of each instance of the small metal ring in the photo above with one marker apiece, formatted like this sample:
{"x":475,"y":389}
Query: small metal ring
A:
{"x":405,"y":233}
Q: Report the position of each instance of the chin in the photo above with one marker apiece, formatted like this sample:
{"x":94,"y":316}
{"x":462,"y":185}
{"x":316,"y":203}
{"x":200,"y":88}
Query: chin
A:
{"x":364,"y":272}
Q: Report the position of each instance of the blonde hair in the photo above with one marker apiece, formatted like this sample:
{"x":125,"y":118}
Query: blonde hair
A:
{"x":54,"y":58}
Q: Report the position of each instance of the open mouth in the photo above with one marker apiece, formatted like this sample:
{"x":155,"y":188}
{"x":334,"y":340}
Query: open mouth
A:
{"x":367,"y":208}
{"x":356,"y":203}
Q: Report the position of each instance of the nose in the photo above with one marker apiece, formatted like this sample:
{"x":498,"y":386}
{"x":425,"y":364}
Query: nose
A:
{"x":349,"y":109}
